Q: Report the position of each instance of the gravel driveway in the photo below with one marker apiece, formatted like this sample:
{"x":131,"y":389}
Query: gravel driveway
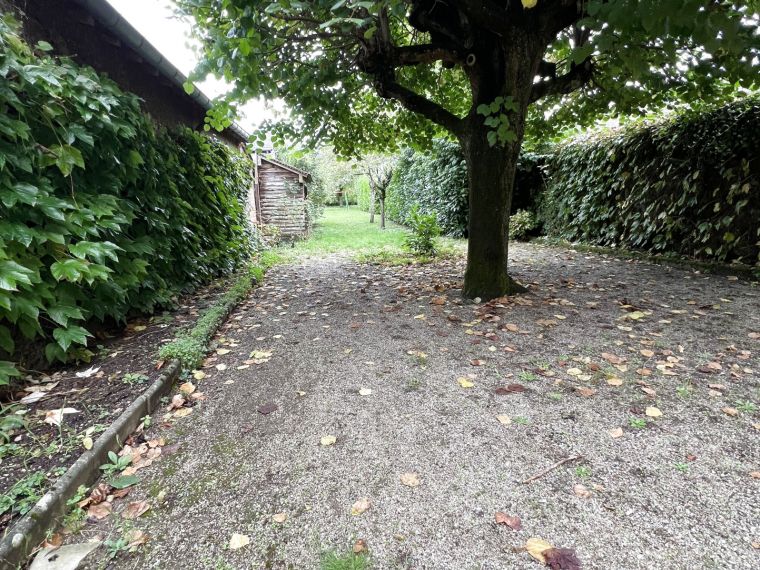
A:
{"x":646,"y":375}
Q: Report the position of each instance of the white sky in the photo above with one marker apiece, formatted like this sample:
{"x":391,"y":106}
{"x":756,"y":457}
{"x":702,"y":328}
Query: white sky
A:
{"x":154,"y":19}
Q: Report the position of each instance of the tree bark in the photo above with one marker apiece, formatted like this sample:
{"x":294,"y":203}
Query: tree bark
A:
{"x":491,"y":172}
{"x":500,"y":71}
{"x":371,"y":205}
{"x":382,"y":210}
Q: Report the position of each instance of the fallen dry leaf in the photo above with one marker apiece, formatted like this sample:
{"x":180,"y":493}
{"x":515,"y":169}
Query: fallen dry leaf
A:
{"x":280,"y":518}
{"x":729,"y":411}
{"x":198,"y":375}
{"x":187,"y":388}
{"x":410,"y":479}
{"x":100,"y":511}
{"x":465,"y":382}
{"x":504,"y":420}
{"x":360,"y":546}
{"x":612,"y":358}
{"x":614,"y":381}
{"x":360,"y":506}
{"x":509,"y":389}
{"x":135,"y":510}
{"x":581,"y":491}
{"x":55,"y":417}
{"x":183,"y":412}
{"x":653,"y":412}
{"x":238,"y":541}
{"x":135,"y":538}
{"x":365,"y":391}
{"x":327,"y":440}
{"x":562,"y":559}
{"x":267,"y":409}
{"x":512,"y":522}
{"x":616,"y":432}
{"x":585,"y":391}
{"x":645,"y":352}
{"x":754,"y":474}
{"x":438,"y":301}
{"x":536,"y":548}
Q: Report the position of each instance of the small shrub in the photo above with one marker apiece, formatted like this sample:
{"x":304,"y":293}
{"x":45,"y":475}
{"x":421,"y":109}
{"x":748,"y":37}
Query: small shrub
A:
{"x":521,"y":224}
{"x":425,"y":229}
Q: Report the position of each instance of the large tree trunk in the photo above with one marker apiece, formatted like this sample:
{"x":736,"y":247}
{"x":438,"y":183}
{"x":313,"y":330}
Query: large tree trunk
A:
{"x":491,"y":173}
{"x":499,"y":72}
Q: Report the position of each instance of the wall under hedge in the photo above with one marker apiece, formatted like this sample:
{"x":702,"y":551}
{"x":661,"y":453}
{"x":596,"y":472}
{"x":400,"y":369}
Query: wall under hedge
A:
{"x":688,"y":186}
{"x":101,"y":213}
{"x":437,"y":181}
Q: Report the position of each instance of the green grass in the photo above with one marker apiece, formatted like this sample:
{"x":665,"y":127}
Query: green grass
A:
{"x":349,"y":561}
{"x":347,"y":230}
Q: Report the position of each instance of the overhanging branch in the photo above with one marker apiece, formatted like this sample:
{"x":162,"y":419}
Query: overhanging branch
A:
{"x":574,"y":79}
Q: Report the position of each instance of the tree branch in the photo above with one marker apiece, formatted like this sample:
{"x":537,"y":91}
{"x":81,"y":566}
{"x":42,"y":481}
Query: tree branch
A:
{"x":574,"y":79}
{"x":487,"y":14}
{"x":426,"y":53}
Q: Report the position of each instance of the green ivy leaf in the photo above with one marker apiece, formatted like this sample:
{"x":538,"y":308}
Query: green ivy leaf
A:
{"x":65,"y":337}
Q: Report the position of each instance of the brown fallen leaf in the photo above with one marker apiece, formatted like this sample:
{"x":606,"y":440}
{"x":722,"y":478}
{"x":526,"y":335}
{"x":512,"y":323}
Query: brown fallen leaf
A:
{"x":613,"y":358}
{"x":100,"y":511}
{"x":729,"y":411}
{"x":438,"y":301}
{"x":616,"y":432}
{"x":585,"y":391}
{"x":135,"y":510}
{"x":100,"y":493}
{"x":582,"y":491}
{"x":646,"y":353}
{"x":754,"y":474}
{"x":649,"y":391}
{"x":512,"y":522}
{"x":360,"y":546}
{"x":653,"y":412}
{"x":562,"y":559}
{"x":177,"y":402}
{"x":510,"y":389}
{"x":135,"y":538}
{"x":280,"y":518}
{"x":360,"y":506}
{"x":187,"y":388}
{"x":183,"y":412}
{"x":615,"y":381}
{"x":477,"y":362}
{"x":267,"y":409}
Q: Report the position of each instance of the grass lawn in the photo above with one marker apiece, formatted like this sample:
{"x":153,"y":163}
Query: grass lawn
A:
{"x":343,"y":229}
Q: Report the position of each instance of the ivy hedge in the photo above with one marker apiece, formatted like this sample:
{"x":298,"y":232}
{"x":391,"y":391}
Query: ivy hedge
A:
{"x":101,"y":212}
{"x":436,"y":181}
{"x":688,"y":186}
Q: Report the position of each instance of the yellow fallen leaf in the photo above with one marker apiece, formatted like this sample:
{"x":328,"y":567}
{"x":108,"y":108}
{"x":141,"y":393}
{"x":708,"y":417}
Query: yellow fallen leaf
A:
{"x":187,"y":388}
{"x":139,"y":328}
{"x":87,"y":443}
{"x":574,"y":371}
{"x":614,"y":381}
{"x":360,"y":506}
{"x":198,"y":375}
{"x":504,"y":420}
{"x":183,"y":412}
{"x":327,"y":440}
{"x":647,"y":353}
{"x":536,"y":548}
{"x":238,"y":541}
{"x":653,"y":412}
{"x":465,"y":382}
{"x":221,"y":367}
{"x":222,"y":351}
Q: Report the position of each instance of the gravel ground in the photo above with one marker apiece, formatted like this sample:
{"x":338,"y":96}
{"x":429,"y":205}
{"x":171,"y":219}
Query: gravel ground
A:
{"x":677,"y":492}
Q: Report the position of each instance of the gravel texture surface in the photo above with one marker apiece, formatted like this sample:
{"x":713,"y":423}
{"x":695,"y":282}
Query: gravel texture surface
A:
{"x":596,"y":344}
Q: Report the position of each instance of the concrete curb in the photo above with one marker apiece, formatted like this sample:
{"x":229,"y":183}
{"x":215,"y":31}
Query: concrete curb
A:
{"x":23,"y":537}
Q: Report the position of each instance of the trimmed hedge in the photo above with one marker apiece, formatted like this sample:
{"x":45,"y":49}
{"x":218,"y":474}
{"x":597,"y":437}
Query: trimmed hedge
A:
{"x":101,"y":212}
{"x":437,"y":182}
{"x":688,"y":186}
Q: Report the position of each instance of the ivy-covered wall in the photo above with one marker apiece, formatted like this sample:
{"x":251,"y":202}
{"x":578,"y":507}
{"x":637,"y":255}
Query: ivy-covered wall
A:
{"x":437,"y":182}
{"x":101,"y":212}
{"x":688,"y":186}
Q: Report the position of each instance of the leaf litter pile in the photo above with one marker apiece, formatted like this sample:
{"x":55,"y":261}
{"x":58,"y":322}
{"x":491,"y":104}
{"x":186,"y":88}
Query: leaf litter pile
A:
{"x":606,"y":419}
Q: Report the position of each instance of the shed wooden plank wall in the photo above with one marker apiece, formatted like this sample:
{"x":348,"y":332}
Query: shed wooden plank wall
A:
{"x":282,"y":199}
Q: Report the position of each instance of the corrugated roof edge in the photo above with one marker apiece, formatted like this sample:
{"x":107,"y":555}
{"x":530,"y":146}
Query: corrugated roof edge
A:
{"x":111,"y":19}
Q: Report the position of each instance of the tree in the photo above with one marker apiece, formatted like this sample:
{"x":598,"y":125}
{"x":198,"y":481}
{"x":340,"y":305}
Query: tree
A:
{"x":362,"y":74}
{"x":380,"y":176}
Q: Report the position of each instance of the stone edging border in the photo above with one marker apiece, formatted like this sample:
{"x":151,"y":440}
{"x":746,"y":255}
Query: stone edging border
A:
{"x":24,"y":536}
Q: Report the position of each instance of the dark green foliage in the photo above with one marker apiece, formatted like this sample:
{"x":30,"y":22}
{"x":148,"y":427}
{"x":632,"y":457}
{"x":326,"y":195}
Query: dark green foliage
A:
{"x":437,"y":182}
{"x":521,"y":224}
{"x":689,"y":186}
{"x":425,"y":229}
{"x":100,"y":212}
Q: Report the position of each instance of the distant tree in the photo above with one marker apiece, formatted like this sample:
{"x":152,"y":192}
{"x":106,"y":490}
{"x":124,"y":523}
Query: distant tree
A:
{"x":374,"y":74}
{"x":379,"y":172}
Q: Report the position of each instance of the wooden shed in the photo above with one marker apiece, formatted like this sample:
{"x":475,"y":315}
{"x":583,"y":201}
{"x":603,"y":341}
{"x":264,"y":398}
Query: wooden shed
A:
{"x":280,"y":192}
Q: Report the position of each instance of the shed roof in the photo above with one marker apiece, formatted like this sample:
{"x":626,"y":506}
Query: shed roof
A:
{"x":284,"y":165}
{"x":109,"y":17}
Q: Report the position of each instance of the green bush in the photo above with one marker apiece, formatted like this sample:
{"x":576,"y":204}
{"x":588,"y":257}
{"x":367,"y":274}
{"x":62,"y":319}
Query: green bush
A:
{"x":437,"y":183}
{"x":101,"y":213}
{"x":521,"y":224}
{"x":425,"y":229}
{"x":689,"y":186}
